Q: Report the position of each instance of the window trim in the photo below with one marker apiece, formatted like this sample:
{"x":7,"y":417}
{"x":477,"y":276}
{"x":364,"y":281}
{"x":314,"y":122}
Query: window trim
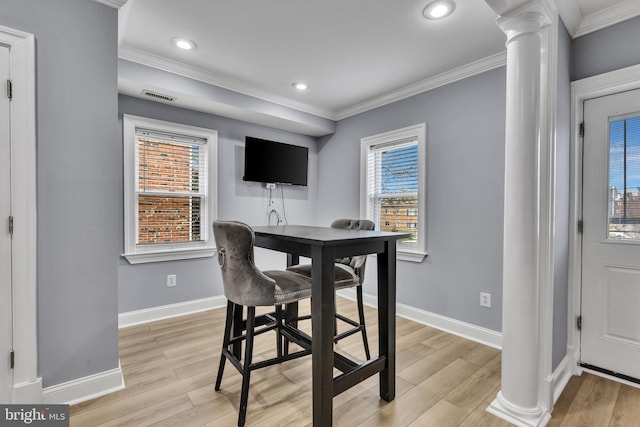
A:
{"x":419,"y":251}
{"x":169,"y":252}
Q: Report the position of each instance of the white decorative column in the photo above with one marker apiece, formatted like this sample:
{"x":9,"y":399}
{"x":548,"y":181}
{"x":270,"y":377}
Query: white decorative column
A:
{"x":528,"y":201}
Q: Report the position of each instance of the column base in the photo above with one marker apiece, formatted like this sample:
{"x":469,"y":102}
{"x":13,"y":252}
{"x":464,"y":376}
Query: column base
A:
{"x":522,"y":417}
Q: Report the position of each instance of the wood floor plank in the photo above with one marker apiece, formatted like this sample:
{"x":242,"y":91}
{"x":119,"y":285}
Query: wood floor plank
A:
{"x":407,"y":356}
{"x":481,"y":354}
{"x":440,"y":340}
{"x":422,"y":369}
{"x":442,"y":414}
{"x":492,"y":369}
{"x":122,"y":403}
{"x":627,"y":408}
{"x":151,"y":414}
{"x":352,"y":409}
{"x":199,"y":415}
{"x":444,"y":380}
{"x":479,"y":417}
{"x":593,"y":404}
{"x":470,"y":393}
{"x":561,"y":407}
{"x":402,"y":412}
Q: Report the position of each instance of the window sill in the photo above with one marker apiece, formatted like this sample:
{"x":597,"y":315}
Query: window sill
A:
{"x":169,"y":255}
{"x":413,"y":256}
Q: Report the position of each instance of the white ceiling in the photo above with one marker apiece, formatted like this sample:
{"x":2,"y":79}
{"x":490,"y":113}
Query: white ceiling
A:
{"x":354,"y":54}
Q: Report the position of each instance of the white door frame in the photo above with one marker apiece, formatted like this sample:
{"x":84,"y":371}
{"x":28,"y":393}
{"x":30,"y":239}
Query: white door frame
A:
{"x":27,"y":386}
{"x":582,"y":90}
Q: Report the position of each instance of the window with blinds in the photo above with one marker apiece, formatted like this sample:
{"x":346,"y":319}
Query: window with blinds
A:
{"x":393,"y":186}
{"x":170,"y":189}
{"x":624,"y":179}
{"x":392,"y":175}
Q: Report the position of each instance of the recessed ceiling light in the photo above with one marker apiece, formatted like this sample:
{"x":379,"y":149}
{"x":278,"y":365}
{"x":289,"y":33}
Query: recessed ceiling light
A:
{"x":183,"y":43}
{"x":300,"y":86}
{"x":439,"y":9}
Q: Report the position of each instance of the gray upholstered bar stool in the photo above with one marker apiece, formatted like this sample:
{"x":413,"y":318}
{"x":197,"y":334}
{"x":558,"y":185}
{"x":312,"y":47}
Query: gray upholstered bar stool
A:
{"x":349,"y":273}
{"x":245,"y":285}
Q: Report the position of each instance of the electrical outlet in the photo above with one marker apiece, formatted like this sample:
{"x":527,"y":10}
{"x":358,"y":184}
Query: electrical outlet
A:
{"x":485,"y":299}
{"x":171,"y":280}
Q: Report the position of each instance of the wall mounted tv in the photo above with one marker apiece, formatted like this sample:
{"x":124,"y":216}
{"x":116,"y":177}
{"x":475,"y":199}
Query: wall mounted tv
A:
{"x":275,"y":162}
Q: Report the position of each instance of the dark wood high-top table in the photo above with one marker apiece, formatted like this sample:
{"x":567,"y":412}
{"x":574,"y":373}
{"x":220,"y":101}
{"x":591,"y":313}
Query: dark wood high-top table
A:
{"x":323,"y":245}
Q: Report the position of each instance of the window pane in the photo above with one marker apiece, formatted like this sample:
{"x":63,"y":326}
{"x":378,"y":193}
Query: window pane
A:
{"x":399,"y":170}
{"x":400,"y":214}
{"x":624,"y":179}
{"x":398,"y":190}
{"x":168,"y":219}
{"x":168,"y":167}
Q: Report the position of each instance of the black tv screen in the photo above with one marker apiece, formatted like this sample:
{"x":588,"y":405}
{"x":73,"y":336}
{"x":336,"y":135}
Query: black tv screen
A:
{"x":275,"y":162}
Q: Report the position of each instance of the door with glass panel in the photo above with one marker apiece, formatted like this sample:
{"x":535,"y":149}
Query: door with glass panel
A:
{"x":610,"y":335}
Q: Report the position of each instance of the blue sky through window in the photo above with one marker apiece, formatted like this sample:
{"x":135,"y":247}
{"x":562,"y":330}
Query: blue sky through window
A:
{"x":618,"y":158}
{"x":399,"y":173}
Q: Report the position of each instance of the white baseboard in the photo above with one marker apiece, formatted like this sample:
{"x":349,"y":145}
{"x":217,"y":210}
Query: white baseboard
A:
{"x":93,"y":386}
{"x":465,"y":330}
{"x":28,"y":392}
{"x":561,"y":377}
{"x":146,"y":315}
{"x":86,"y":388}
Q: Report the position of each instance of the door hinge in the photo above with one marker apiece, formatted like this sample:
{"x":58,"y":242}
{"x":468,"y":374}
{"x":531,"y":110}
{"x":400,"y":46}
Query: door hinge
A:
{"x":13,"y":359}
{"x":582,"y":129}
{"x":580,"y":226}
{"x":11,"y":226}
{"x":579,"y":323}
{"x":9,"y":89}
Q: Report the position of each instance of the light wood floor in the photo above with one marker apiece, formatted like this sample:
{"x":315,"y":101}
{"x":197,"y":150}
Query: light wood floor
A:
{"x":442,"y":380}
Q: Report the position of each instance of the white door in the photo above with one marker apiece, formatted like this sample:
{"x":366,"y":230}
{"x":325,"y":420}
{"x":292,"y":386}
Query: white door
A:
{"x":610,"y":336}
{"x":6,"y":338}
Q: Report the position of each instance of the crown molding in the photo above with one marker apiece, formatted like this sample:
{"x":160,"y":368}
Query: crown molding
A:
{"x":571,"y":15}
{"x":116,"y":4}
{"x":578,"y":25}
{"x":161,"y":63}
{"x":607,"y":17}
{"x":158,"y":62}
{"x":460,"y":73}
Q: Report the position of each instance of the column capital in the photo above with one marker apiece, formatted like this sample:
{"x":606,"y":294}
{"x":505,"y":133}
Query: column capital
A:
{"x":529,"y":17}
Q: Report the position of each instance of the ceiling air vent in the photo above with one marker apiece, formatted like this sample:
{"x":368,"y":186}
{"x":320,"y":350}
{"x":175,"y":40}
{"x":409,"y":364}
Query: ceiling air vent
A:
{"x":157,"y":95}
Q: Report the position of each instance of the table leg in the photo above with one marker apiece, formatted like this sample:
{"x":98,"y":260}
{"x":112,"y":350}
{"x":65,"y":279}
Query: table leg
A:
{"x":322,"y":314}
{"x":387,"y":319}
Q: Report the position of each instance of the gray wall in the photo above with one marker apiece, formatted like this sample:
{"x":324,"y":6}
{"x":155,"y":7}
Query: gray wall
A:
{"x":464,"y":188}
{"x":144,"y":285}
{"x":606,"y":50}
{"x":78,"y":183}
{"x":563,"y":161}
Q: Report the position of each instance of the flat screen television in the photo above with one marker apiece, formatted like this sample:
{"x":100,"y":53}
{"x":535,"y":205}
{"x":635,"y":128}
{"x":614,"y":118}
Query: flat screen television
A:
{"x":275,"y":162}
